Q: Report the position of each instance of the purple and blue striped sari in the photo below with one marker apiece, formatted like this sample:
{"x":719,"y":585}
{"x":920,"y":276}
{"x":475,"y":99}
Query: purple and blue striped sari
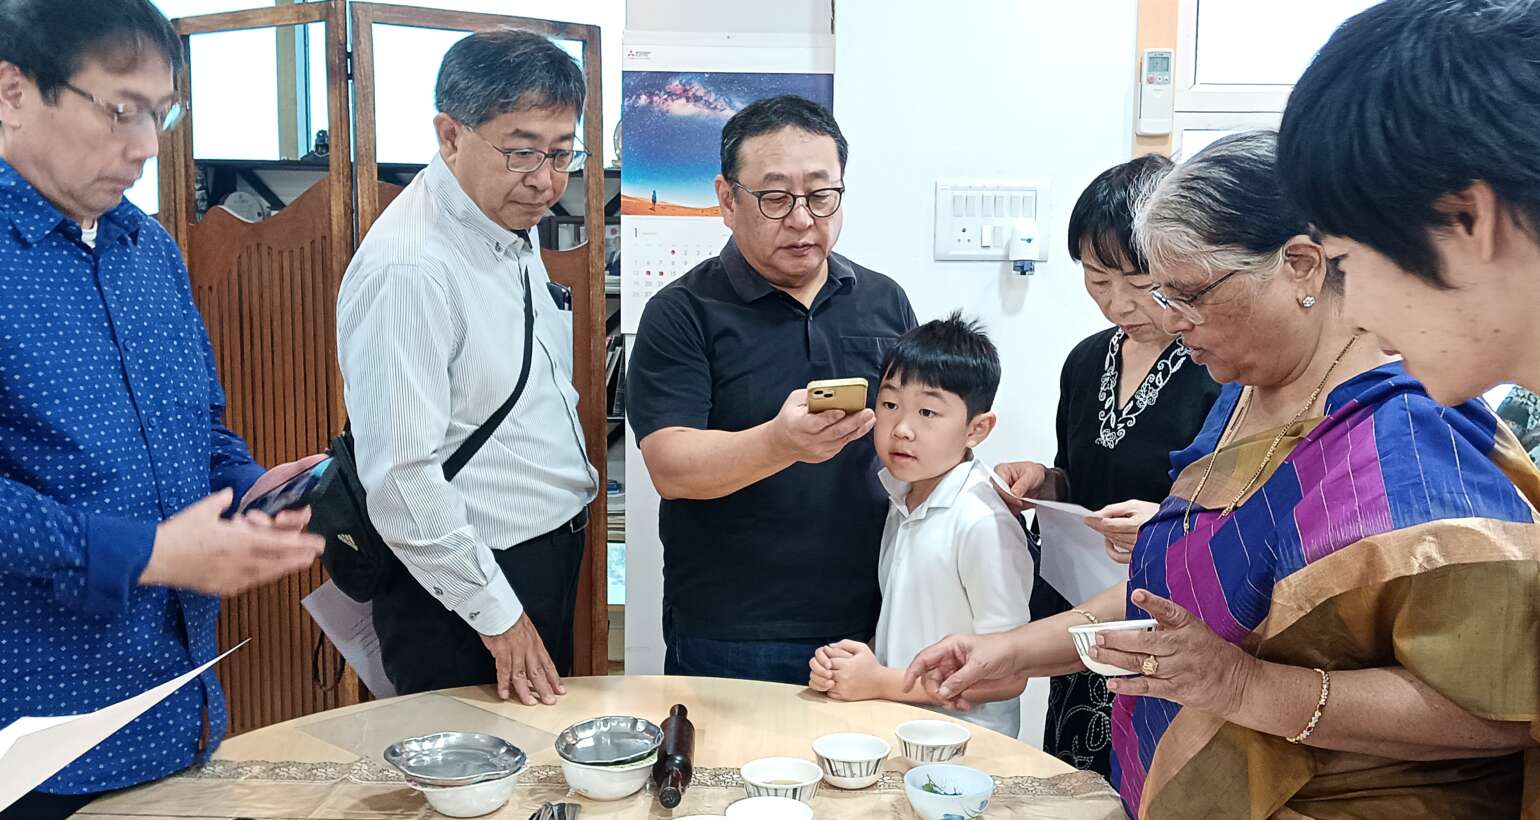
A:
{"x":1391,"y":532}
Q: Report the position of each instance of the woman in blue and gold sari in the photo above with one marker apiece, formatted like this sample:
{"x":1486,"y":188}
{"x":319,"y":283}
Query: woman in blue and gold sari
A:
{"x":1345,"y":573}
{"x":1385,"y":533}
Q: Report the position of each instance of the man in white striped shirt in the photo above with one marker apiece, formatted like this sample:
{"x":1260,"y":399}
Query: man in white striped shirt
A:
{"x":430,"y":330}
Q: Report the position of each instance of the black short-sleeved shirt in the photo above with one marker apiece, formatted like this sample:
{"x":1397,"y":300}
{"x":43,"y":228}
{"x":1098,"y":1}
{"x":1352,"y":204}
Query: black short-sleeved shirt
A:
{"x":794,"y":555}
{"x":1113,"y":453}
{"x":1110,"y":453}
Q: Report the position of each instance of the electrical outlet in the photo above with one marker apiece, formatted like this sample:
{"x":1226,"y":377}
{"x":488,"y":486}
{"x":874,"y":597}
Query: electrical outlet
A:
{"x":964,"y":239}
{"x":976,"y":219}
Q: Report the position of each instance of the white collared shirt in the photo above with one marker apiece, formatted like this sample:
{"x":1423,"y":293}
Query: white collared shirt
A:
{"x":957,"y":564}
{"x":430,"y":334}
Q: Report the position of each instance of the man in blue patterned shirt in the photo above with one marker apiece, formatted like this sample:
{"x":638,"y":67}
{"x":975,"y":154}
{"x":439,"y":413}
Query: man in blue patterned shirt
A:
{"x":113,"y":551}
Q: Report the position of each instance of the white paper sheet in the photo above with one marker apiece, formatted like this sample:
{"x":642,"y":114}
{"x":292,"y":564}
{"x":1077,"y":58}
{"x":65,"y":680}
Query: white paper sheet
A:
{"x":33,"y":749}
{"x":350,"y":627}
{"x":1075,"y":560}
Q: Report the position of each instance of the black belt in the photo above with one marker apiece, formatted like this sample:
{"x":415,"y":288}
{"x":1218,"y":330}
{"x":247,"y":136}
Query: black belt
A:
{"x":578,"y":523}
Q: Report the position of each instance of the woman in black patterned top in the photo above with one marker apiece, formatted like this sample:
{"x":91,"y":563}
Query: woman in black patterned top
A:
{"x":1128,"y":396}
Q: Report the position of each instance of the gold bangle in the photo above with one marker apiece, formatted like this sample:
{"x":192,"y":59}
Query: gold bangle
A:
{"x":1088,"y":616}
{"x":1320,"y":706}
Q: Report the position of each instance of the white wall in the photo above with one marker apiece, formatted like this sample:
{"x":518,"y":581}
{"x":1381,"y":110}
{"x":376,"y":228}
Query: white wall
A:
{"x":732,"y":16}
{"x":1069,"y":69}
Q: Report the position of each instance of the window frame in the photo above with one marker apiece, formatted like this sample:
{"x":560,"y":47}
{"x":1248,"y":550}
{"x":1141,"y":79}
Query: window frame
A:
{"x":1217,"y":121}
{"x":1192,"y":96}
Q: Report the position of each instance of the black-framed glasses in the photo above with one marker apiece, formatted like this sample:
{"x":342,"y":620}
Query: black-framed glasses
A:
{"x":1188,"y":306}
{"x":129,"y":116}
{"x":529,"y":160}
{"x":775,"y":204}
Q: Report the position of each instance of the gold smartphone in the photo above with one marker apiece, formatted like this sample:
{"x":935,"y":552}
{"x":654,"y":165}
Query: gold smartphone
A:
{"x":836,"y":394}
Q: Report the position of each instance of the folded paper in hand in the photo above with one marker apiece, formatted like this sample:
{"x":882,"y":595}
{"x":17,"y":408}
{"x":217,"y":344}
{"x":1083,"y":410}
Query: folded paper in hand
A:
{"x":1074,"y":557}
{"x":1075,"y":560}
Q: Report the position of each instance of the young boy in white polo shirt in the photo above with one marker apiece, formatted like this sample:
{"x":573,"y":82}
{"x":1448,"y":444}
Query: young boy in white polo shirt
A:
{"x":954,"y":559}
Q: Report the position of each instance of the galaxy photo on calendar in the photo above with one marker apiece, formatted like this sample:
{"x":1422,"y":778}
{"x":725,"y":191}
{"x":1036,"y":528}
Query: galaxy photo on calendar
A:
{"x":671,"y":126}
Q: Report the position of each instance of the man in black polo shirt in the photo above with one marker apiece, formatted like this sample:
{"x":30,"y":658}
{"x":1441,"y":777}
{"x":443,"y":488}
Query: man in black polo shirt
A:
{"x":772,"y":516}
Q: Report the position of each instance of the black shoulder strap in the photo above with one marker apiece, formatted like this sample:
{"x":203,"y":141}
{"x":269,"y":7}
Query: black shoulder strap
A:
{"x":457,"y":462}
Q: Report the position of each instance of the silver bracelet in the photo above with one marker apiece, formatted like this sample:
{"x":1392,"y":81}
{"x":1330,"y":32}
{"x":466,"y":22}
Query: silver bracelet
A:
{"x":1320,"y":706}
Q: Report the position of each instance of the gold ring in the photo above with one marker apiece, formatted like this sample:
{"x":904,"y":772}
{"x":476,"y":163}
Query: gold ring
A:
{"x":1150,"y":666}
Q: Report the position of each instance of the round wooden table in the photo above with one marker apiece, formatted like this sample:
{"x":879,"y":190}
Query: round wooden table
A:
{"x":328,"y":765}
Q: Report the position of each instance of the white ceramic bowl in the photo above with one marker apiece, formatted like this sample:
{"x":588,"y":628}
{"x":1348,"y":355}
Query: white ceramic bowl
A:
{"x":851,"y":761}
{"x":790,"y":777}
{"x":942,"y":790}
{"x":769,"y":808}
{"x":932,"y":741}
{"x":1084,"y":636}
{"x":608,"y":782}
{"x":470,"y":801}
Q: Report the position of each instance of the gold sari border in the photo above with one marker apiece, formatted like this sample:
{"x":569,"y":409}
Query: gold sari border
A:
{"x":1396,"y":554}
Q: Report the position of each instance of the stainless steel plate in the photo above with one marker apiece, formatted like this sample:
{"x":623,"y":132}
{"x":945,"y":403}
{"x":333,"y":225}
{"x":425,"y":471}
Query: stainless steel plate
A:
{"x":609,"y":741}
{"x":455,"y":758}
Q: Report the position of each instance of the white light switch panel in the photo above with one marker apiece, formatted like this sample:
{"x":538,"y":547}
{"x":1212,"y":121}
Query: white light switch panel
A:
{"x":976,"y":219}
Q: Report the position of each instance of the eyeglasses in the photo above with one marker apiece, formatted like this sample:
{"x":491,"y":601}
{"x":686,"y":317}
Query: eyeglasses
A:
{"x":1188,"y":306}
{"x":129,"y":116}
{"x":529,"y":160}
{"x":774,"y":204}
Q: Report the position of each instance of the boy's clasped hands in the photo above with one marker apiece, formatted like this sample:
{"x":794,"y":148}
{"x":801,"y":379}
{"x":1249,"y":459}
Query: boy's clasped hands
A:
{"x":847,"y":670}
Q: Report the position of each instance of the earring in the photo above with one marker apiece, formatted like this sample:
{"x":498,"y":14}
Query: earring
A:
{"x":1307,"y":303}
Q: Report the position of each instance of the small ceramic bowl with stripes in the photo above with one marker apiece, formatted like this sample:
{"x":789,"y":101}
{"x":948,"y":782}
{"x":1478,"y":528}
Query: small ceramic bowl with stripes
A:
{"x":850,"y":760}
{"x":790,"y":777}
{"x":1084,"y":636}
{"x":932,"y":741}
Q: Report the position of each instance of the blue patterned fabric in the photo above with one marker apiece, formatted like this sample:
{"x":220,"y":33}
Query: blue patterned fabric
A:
{"x":110,"y":422}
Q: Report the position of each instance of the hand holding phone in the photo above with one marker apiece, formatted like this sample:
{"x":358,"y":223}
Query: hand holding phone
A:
{"x":290,"y":494}
{"x":800,"y":434}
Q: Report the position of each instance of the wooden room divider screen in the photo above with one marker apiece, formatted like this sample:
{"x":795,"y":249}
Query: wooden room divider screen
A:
{"x":268,"y":291}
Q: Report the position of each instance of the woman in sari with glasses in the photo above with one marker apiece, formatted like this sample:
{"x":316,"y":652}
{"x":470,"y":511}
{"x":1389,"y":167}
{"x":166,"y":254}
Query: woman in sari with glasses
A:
{"x":1344,"y":575}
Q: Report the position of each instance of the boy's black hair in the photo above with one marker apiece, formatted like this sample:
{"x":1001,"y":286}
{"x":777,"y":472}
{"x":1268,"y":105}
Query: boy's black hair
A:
{"x":1407,"y":102}
{"x":952,"y":354}
{"x":1104,"y":214}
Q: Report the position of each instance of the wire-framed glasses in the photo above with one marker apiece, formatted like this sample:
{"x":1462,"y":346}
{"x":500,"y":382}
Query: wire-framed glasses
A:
{"x":129,"y":116}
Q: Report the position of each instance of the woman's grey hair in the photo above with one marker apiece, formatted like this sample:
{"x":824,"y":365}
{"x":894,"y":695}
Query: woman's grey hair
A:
{"x":1223,"y":210}
{"x":489,"y":73}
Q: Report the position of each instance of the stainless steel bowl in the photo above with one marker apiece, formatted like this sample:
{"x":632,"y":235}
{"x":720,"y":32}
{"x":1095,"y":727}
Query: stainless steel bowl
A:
{"x":455,"y":758}
{"x":609,"y":741}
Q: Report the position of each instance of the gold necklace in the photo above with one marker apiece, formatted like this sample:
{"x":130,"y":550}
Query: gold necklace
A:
{"x":1273,"y":448}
